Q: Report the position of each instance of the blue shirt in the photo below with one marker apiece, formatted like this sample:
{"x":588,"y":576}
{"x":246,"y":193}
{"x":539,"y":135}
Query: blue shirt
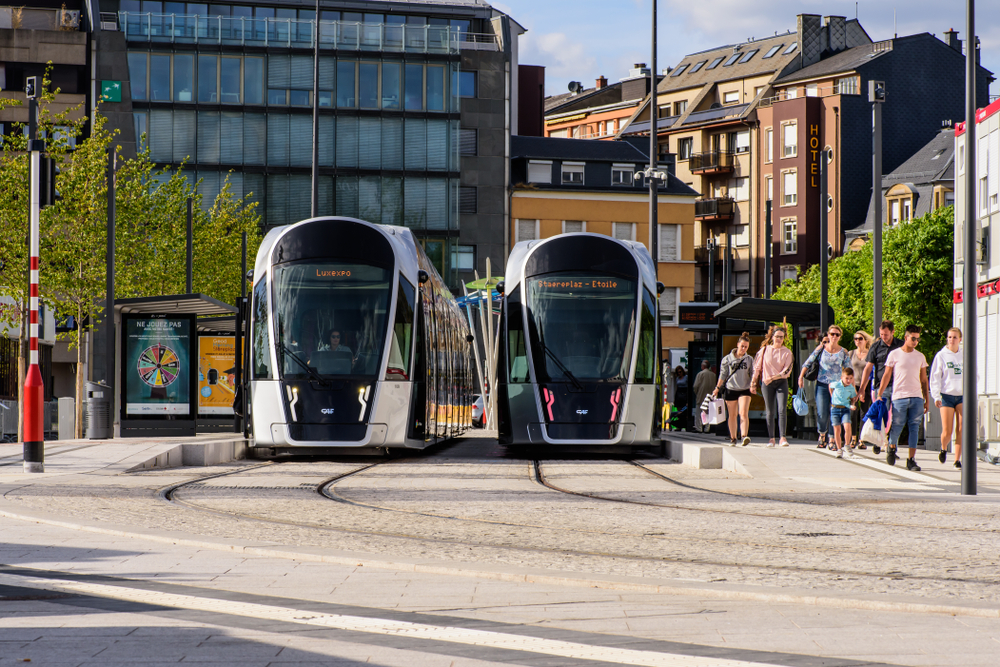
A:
{"x":842,"y":394}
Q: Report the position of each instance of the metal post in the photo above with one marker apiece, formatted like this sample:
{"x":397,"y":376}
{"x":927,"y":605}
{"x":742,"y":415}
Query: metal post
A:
{"x":728,"y":296}
{"x":654,"y":229}
{"x":240,"y":338}
{"x":34,"y":389}
{"x":243,"y":265}
{"x":768,"y":249}
{"x":190,"y":246}
{"x":877,"y":208}
{"x":970,"y":406}
{"x":109,"y":284}
{"x":314,"y":207}
{"x":710,"y":246}
{"x":824,"y":257}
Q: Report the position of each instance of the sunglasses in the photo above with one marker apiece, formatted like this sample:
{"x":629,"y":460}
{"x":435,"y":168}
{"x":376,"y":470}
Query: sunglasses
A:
{"x":836,"y":335}
{"x":858,"y":338}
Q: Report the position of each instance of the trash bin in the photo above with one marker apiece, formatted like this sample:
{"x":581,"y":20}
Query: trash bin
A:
{"x":98,"y":411}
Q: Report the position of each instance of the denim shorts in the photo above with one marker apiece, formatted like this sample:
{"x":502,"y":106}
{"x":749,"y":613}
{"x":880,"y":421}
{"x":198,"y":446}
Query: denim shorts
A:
{"x":949,"y":401}
{"x":840,"y":416}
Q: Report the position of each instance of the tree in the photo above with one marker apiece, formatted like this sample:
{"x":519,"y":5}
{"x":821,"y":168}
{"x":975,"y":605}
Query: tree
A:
{"x":917,"y":264}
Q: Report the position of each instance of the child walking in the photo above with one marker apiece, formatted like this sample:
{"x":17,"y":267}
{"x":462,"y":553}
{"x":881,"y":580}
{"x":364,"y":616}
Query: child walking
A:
{"x":842,"y":397}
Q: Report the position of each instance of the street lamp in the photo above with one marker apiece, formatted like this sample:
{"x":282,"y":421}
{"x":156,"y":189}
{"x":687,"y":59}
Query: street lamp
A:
{"x":970,"y":445}
{"x":876,"y":95}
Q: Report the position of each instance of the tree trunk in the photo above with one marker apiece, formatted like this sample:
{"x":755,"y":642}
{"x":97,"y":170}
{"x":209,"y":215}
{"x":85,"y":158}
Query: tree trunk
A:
{"x":78,"y":429}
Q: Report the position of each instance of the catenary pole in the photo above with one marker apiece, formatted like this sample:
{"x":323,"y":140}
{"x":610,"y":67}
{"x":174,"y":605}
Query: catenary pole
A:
{"x":824,"y":257}
{"x":877,"y":209}
{"x":970,"y":404}
{"x":768,"y":249}
{"x":654,"y":228}
{"x":109,"y":282}
{"x":189,"y":283}
{"x":34,"y":389}
{"x":314,"y":206}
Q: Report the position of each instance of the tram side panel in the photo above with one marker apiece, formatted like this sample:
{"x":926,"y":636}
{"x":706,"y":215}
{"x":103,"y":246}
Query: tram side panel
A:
{"x":520,"y":407}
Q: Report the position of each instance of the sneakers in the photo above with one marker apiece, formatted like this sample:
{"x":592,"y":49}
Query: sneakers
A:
{"x":876,"y":449}
{"x":890,"y":456}
{"x":912,"y":465}
{"x":770,"y":443}
{"x":958,"y":464}
{"x":732,"y":442}
{"x":746,"y":440}
{"x":840,"y":453}
{"x":942,"y":456}
{"x":783,"y":443}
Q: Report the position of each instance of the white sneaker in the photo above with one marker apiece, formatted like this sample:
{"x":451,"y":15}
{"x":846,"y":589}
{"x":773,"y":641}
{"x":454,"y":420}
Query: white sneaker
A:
{"x":770,"y":443}
{"x":784,"y":443}
{"x":746,"y":440}
{"x":840,"y":453}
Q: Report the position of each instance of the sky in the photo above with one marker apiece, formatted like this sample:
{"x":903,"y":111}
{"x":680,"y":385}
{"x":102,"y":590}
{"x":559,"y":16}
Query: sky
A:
{"x":580,"y":40}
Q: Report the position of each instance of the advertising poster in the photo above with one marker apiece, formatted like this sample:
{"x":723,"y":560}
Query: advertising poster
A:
{"x":216,"y":374}
{"x":157,"y":365}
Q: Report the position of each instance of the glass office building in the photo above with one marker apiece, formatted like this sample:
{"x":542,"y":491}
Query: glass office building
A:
{"x":228,"y":90}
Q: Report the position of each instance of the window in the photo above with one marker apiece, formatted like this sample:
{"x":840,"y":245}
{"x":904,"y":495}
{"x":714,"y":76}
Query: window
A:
{"x":572,"y":173}
{"x":698,"y":66}
{"x":894,"y":211}
{"x":277,"y":97}
{"x":669,"y":243}
{"x":466,"y":84}
{"x":790,"y":236}
{"x":769,"y":145}
{"x":732,"y":59}
{"x":749,"y":56}
{"x":680,"y":107}
{"x":621,"y":174}
{"x":791,"y":47}
{"x":463,"y":257}
{"x":768,"y":188}
{"x":788,"y":188}
{"x":668,"y":306}
{"x":208,"y":85}
{"x":812,"y":90}
{"x":790,"y":139}
{"x":346,"y":89}
{"x":788,"y":272}
{"x":299,"y":98}
{"x":739,"y":189}
{"x":742,"y":144}
{"x":949,"y":198}
{"x":771,"y":51}
{"x":680,"y":70}
{"x":847,"y":85}
{"x":467,"y":200}
{"x":758,"y":91}
{"x":791,"y":93}
{"x":573,"y":226}
{"x":715,"y":63}
{"x":731,"y":97}
{"x":517,"y":355}
{"x":435,"y":88}
{"x":623,"y":231}
{"x":229,"y":81}
{"x":368,"y":88}
{"x":253,"y":80}
{"x":159,"y":78}
{"x":468,"y":142}
{"x":742,"y":282}
{"x":261,"y":335}
{"x":540,"y":172}
{"x":414,"y":87}
{"x":526,"y":230}
{"x":684,"y":148}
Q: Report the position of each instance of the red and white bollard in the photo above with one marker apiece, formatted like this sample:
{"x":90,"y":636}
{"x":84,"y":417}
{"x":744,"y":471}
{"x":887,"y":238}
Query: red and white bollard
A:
{"x":34,"y":390}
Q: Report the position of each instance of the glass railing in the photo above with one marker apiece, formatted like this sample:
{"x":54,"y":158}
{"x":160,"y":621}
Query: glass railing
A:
{"x":347,"y":35}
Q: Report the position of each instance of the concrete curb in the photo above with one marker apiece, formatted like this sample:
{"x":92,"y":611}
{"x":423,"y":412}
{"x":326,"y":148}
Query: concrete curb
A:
{"x":734,"y":592}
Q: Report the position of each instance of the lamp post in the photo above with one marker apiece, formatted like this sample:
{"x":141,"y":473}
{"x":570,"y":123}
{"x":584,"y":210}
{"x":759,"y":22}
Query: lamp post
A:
{"x":654,"y":225}
{"x":876,"y":95}
{"x":768,"y":249}
{"x":969,"y":371}
{"x":710,"y":247}
{"x":314,"y":189}
{"x":34,"y":389}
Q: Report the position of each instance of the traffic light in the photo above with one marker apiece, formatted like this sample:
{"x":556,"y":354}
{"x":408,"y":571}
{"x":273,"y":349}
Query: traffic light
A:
{"x":49,"y":195}
{"x":876,"y":91}
{"x":31,"y":87}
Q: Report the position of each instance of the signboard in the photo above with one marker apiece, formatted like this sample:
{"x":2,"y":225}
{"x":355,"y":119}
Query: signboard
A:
{"x":111,"y":91}
{"x":157,"y":378}
{"x":216,"y":374}
{"x":698,"y":316}
{"x":983,"y":290}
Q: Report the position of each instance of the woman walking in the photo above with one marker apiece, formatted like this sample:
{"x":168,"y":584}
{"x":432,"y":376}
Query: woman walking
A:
{"x":735,"y":374}
{"x":946,"y":391}
{"x":862,"y":343}
{"x":772,"y":366}
{"x":832,"y":359}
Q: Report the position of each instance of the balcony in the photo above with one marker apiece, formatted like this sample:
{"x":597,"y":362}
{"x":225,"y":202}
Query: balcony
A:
{"x":715,"y":162}
{"x":721,"y":209}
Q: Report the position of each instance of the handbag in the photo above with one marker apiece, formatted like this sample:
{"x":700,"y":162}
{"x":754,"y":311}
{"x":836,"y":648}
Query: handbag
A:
{"x":799,"y":403}
{"x":872,"y":435}
{"x":716,"y":411}
{"x":812,"y":370}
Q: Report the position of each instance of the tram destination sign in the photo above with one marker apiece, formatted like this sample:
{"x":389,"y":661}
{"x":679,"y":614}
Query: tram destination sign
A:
{"x":596,"y":284}
{"x":157,"y":365}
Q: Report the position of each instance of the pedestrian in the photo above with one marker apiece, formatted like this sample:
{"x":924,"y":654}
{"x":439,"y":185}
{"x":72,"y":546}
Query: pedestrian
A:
{"x":772,"y":367}
{"x":843,"y":394}
{"x":703,"y":383}
{"x":906,"y":369}
{"x":832,"y":359}
{"x":946,"y":390}
{"x":862,"y":343}
{"x":878,"y":353}
{"x":735,"y":374}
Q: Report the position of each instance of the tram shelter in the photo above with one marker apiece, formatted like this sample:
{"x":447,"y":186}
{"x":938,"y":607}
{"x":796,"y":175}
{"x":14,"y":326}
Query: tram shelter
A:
{"x":160,"y":377}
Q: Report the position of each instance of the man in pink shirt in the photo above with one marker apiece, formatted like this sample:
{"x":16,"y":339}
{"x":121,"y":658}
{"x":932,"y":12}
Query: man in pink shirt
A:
{"x":906,"y":369}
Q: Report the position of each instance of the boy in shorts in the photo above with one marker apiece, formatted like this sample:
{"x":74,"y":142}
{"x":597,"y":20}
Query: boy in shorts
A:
{"x":842,"y":398}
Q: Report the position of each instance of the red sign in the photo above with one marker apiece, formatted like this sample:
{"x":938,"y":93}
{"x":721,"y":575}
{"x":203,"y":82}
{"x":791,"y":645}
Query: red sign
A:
{"x":983,"y":290}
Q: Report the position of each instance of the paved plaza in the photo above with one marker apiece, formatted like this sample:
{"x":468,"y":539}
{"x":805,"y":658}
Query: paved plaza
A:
{"x":471,"y":555}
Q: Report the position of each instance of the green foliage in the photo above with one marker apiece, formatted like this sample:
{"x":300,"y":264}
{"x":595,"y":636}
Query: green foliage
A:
{"x":917,"y":264}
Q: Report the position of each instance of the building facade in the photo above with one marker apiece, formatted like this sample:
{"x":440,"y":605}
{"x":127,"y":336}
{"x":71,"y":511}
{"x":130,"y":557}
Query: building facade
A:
{"x":986,"y":134}
{"x":598,"y":112}
{"x":566,"y":185}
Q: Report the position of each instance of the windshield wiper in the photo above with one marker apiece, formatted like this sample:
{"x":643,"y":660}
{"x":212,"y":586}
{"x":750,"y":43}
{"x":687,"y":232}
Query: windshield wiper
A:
{"x":553,"y":357}
{"x":323,"y":382}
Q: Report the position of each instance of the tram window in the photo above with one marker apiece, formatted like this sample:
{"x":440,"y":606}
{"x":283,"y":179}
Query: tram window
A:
{"x":368,"y":85}
{"x":645,"y":366}
{"x":391,"y":75}
{"x":398,"y":367}
{"x":261,"y":338}
{"x":253,"y":80}
{"x":517,"y":349}
{"x":346,"y":75}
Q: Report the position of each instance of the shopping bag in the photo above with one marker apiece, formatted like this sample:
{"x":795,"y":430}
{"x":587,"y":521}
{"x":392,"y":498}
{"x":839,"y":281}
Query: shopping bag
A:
{"x":872,"y":435}
{"x":705,"y":403}
{"x":716,"y":411}
{"x":799,"y":403}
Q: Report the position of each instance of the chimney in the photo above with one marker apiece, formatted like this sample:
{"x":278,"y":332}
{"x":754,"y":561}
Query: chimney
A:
{"x":836,"y":33}
{"x":602,"y":82}
{"x":812,"y":39}
{"x":952,"y":40}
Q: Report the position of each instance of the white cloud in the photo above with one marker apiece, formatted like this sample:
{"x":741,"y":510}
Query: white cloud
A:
{"x":563,"y":58}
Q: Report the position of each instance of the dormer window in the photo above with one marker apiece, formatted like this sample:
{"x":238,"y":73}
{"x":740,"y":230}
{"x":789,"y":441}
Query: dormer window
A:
{"x":572,"y":173}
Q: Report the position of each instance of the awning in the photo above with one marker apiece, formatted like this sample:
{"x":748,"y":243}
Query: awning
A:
{"x":768,"y":310}
{"x":225,"y":324}
{"x":194,"y":304}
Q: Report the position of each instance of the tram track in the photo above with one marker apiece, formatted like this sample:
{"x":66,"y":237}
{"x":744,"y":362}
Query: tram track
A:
{"x":325,"y":487}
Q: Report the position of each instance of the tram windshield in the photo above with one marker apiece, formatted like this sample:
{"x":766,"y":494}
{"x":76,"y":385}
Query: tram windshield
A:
{"x":582,"y":326}
{"x":330,"y":318}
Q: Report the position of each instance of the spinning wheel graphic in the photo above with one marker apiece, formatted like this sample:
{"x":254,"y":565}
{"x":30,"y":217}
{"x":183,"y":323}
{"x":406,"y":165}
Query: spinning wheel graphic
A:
{"x":158,"y":365}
